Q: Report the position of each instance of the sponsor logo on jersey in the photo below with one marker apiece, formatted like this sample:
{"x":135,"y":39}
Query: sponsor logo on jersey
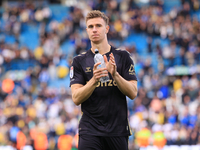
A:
{"x":106,"y":84}
{"x":132,"y":70}
{"x":71,"y":72}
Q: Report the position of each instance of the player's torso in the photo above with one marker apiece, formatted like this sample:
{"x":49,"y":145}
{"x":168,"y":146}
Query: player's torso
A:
{"x":105,"y":109}
{"x":106,"y":97}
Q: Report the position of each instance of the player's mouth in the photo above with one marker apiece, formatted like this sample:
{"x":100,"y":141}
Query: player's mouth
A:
{"x":95,"y":35}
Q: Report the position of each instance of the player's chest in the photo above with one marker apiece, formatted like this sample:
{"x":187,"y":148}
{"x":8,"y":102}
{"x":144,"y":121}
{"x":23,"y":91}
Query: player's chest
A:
{"x":87,"y":67}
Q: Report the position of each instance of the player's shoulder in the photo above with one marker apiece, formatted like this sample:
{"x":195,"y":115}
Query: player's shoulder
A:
{"x":81,"y":56}
{"x":121,"y":51}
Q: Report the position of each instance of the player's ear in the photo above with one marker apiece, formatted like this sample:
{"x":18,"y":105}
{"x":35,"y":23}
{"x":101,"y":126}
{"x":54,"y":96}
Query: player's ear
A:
{"x":107,"y":28}
{"x":86,"y":30}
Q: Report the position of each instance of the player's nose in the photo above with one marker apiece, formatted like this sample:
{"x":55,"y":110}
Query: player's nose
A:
{"x":94,"y":29}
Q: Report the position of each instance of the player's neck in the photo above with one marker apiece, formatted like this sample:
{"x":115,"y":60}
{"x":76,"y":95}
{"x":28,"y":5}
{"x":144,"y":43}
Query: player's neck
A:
{"x":102,"y":47}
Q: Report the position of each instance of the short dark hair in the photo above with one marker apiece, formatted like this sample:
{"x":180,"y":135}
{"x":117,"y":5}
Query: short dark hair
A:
{"x":97,"y":14}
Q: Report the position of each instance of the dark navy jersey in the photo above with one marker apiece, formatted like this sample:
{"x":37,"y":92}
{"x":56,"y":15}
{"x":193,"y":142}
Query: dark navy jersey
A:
{"x":105,"y":111}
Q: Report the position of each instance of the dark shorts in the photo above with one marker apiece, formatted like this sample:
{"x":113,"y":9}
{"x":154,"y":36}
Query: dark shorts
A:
{"x":89,"y":142}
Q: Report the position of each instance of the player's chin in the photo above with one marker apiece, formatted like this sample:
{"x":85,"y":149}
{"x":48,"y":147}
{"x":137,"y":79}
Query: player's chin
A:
{"x":95,"y":41}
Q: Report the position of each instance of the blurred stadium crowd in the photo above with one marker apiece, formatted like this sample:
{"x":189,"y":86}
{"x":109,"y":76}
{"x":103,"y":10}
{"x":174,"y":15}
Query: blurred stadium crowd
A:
{"x":35,"y":100}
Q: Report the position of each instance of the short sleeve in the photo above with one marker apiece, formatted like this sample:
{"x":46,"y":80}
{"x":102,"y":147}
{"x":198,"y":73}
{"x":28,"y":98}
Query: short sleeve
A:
{"x":128,"y":71}
{"x":76,"y":73}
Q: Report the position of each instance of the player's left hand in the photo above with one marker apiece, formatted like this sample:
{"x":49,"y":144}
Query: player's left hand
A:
{"x":111,"y":65}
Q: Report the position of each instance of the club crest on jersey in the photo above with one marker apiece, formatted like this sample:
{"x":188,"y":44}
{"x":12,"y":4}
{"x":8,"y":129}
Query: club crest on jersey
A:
{"x":71,"y":72}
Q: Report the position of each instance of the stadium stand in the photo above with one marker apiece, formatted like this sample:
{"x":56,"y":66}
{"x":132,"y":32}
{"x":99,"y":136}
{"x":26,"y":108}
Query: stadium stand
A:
{"x":38,"y":40}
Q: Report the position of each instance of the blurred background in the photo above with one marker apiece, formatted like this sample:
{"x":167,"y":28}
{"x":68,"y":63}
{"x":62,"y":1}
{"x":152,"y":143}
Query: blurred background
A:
{"x":38,"y":40}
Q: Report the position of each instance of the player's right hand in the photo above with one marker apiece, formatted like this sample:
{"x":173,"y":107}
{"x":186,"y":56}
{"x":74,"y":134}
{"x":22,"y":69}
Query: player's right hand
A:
{"x":98,"y":73}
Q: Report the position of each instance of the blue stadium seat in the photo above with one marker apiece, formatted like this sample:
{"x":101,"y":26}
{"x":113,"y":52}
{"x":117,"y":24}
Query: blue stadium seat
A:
{"x":67,"y":47}
{"x":139,"y":39}
{"x":10,"y":39}
{"x":29,"y":36}
{"x":59,"y":12}
{"x":170,"y":4}
{"x":60,"y":82}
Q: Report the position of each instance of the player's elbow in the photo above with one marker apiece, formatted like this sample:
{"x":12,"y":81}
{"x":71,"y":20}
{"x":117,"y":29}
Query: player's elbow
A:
{"x":133,"y":94}
{"x":76,"y":101}
{"x":133,"y":90}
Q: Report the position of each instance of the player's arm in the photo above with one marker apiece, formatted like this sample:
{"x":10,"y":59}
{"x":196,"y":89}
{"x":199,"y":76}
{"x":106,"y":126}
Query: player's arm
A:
{"x":128,"y":88}
{"x":81,"y":93}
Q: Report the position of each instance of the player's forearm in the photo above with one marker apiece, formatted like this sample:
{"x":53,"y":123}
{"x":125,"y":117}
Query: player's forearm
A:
{"x":81,"y":94}
{"x":126,"y":87}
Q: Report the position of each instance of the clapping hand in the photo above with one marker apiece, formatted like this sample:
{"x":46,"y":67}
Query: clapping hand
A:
{"x":111,"y":65}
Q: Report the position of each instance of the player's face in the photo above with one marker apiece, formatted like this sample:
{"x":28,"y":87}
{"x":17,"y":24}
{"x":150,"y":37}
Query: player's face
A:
{"x":97,"y":29}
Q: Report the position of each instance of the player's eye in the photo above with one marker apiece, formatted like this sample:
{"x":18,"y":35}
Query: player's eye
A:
{"x":90,"y":26}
